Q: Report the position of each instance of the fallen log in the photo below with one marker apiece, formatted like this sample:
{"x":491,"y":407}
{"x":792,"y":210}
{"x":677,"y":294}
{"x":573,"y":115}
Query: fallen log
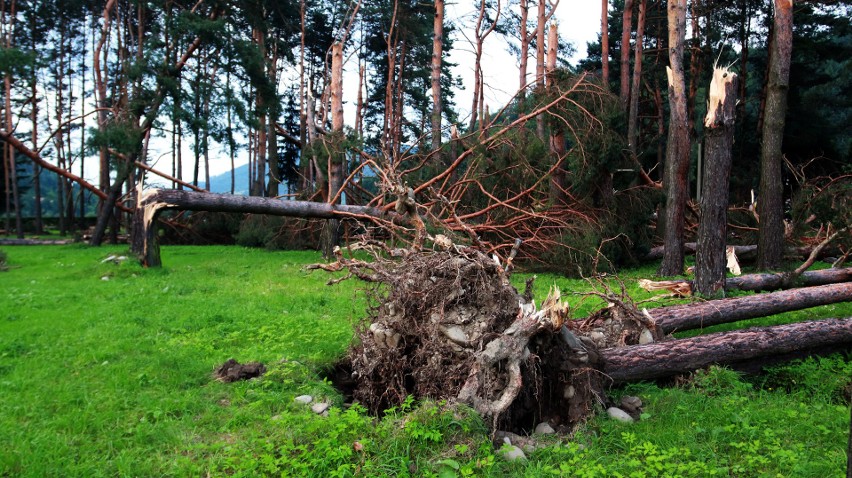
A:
{"x":643,"y":362}
{"x":713,"y":312}
{"x":145,"y":242}
{"x":781,"y":280}
{"x":34,"y":242}
{"x":746,"y":253}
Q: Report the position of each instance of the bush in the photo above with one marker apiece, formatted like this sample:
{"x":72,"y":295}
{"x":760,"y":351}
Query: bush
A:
{"x":278,"y":233}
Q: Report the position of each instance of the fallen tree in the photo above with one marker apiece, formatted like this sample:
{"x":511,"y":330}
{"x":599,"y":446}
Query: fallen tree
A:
{"x":747,"y":253}
{"x":145,"y":242}
{"x":643,"y":362}
{"x":782,"y":280}
{"x":713,"y":312}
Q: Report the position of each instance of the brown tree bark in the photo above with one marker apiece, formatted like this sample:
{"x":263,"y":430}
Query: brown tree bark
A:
{"x":525,"y":48}
{"x":677,"y":150}
{"x":336,"y":155}
{"x":710,"y":260}
{"x":437,"y":56}
{"x":145,"y":242}
{"x":626,"y":27}
{"x":605,"y":43}
{"x":713,"y":312}
{"x":779,"y":280}
{"x":477,"y":107}
{"x":539,"y":64}
{"x":770,"y":203}
{"x":557,"y":132}
{"x":644,"y":362}
{"x":633,"y":117}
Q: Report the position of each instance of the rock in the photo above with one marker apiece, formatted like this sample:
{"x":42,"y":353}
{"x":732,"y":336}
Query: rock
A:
{"x":105,"y":278}
{"x":597,"y":336}
{"x":631,"y":404}
{"x":456,"y":334}
{"x":304,"y":399}
{"x":569,"y":392}
{"x":319,"y":408}
{"x":544,"y":428}
{"x":646,"y":337}
{"x":619,"y":414}
{"x":510,"y":452}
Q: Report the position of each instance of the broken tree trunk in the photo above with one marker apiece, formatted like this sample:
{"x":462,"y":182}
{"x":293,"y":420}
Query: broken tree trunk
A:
{"x":710,"y":258}
{"x":758,"y":282}
{"x":699,"y":315}
{"x":744,"y":253}
{"x":643,"y":362}
{"x":145,"y":242}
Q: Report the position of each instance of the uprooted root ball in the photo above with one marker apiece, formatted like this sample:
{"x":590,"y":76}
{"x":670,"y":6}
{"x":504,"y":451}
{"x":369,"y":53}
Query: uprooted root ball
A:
{"x":449,"y":325}
{"x":431,"y":316}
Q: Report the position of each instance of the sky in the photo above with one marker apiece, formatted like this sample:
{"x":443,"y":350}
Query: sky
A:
{"x":578,"y":22}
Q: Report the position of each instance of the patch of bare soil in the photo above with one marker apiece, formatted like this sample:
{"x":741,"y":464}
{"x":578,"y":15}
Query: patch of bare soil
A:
{"x":232,"y":371}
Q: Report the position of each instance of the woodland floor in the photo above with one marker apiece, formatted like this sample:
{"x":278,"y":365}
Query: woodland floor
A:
{"x":106,"y":370}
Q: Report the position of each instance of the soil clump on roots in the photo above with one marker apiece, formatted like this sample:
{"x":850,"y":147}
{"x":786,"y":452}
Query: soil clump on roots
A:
{"x":448,"y":325}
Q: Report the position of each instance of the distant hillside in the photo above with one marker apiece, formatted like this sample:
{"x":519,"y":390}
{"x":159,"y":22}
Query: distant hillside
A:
{"x":221,"y":183}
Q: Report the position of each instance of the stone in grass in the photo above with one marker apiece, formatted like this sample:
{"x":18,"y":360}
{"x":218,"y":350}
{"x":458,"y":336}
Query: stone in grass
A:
{"x":619,"y":414}
{"x":510,"y":452}
{"x":544,"y":428}
{"x":319,"y":408}
{"x":303,"y":399}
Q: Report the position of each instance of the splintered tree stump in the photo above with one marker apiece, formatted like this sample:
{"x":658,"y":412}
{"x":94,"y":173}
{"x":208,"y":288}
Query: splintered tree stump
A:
{"x":643,"y":362}
{"x":710,"y":258}
{"x":722,"y":311}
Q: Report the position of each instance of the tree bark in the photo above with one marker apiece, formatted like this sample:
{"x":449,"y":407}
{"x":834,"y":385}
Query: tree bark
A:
{"x":337,"y":157}
{"x":705,"y":314}
{"x":710,"y":260}
{"x":558,"y":179}
{"x":437,"y":55}
{"x":145,"y":243}
{"x":539,"y":65}
{"x":626,"y":26}
{"x":776,"y":281}
{"x":633,"y":116}
{"x":605,"y":43}
{"x":770,"y":203}
{"x":677,"y":150}
{"x":644,"y":362}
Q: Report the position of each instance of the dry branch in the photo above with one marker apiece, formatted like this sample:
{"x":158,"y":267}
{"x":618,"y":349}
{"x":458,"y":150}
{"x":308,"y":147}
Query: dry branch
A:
{"x":642,"y":362}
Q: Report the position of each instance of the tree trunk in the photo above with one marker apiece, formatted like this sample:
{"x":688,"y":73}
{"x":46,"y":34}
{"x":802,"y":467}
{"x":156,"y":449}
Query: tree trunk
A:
{"x":710,"y":260}
{"x":437,"y":56}
{"x":633,"y":117}
{"x":605,"y":43}
{"x":757,"y":282}
{"x":644,"y":362}
{"x":558,"y":180}
{"x":145,"y":242}
{"x":705,"y":314}
{"x":539,"y":65}
{"x":525,"y":49}
{"x":677,"y":150}
{"x":337,"y":157}
{"x":770,"y":203}
{"x":626,"y":26}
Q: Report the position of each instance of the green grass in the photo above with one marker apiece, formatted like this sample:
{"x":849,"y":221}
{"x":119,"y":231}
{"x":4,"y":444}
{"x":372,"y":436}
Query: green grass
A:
{"x":112,"y":378}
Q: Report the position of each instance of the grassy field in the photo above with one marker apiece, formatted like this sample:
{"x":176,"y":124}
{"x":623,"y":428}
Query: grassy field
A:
{"x":105,"y":370}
